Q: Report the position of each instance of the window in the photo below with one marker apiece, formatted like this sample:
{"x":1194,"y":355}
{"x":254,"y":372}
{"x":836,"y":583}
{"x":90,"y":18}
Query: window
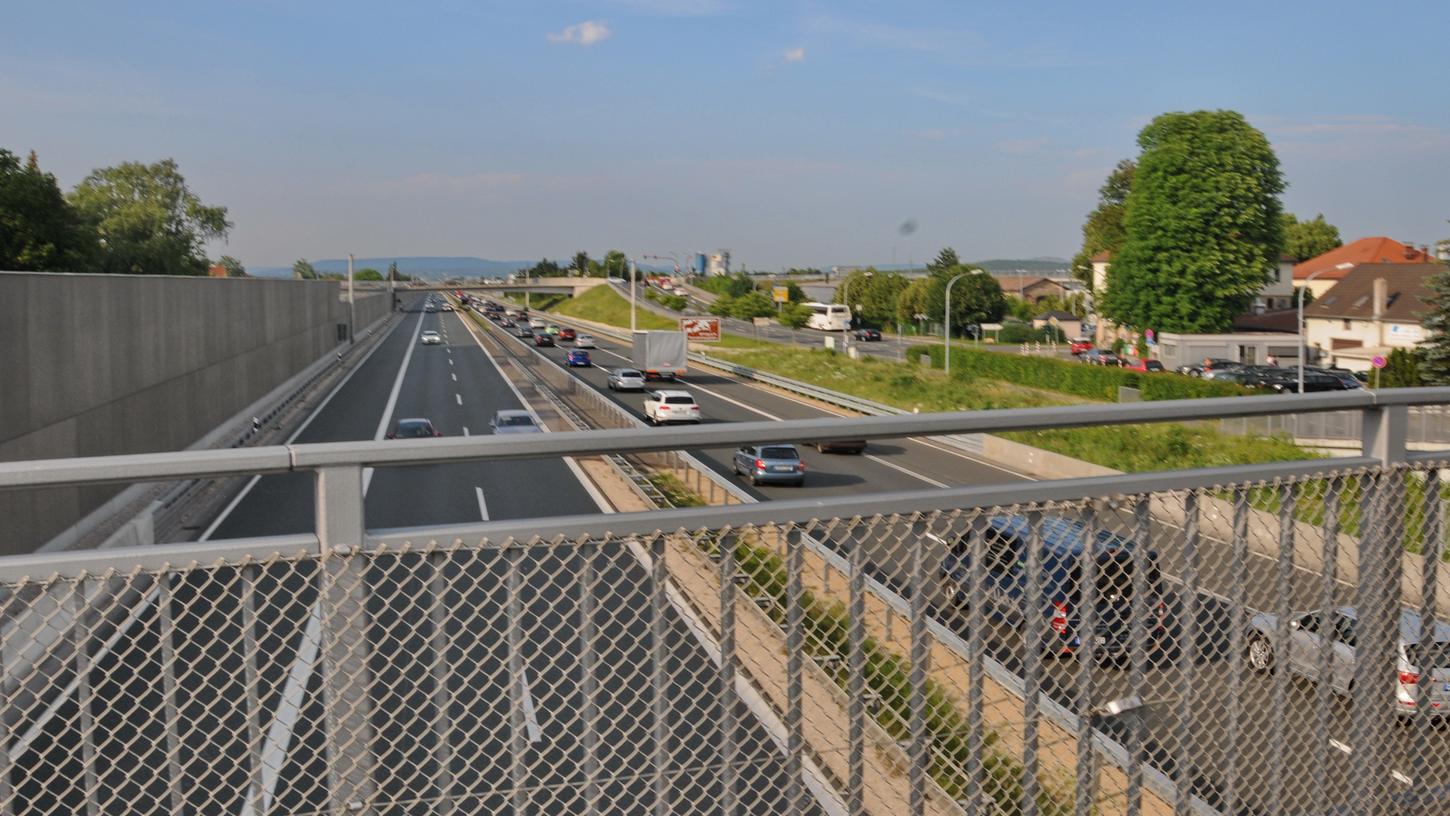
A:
{"x":1347,"y":325}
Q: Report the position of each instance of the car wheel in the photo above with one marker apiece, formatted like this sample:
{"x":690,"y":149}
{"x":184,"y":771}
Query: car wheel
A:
{"x":820,"y":448}
{"x":1260,"y":654}
{"x":754,"y":482}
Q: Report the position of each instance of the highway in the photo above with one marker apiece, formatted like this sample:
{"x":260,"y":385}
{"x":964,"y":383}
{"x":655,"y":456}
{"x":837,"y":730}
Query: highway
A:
{"x":246,"y":675}
{"x":905,"y":464}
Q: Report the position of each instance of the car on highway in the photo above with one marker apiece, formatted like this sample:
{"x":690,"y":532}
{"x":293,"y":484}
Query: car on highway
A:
{"x":430,"y":338}
{"x":585,"y":341}
{"x":537,"y":323}
{"x":513,"y":421}
{"x":1079,"y":345}
{"x":661,"y":407}
{"x":413,"y":428}
{"x":552,"y":330}
{"x":525,"y":331}
{"x":626,"y":379}
{"x":1336,"y":629}
{"x":429,"y":307}
{"x":447,"y":307}
{"x":1144,"y":366}
{"x":541,"y":340}
{"x":856,"y":446}
{"x":770,"y":464}
{"x":1099,"y":357}
{"x":869,"y":335}
{"x":507,"y":322}
{"x":578,"y":357}
{"x":566,"y":333}
{"x":1063,"y":541}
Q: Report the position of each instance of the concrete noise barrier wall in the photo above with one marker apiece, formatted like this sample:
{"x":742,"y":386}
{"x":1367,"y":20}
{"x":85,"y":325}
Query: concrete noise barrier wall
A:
{"x":109,"y":364}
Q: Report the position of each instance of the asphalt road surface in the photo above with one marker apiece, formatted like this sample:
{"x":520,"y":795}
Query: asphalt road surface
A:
{"x":445,"y":687}
{"x":1209,"y":705}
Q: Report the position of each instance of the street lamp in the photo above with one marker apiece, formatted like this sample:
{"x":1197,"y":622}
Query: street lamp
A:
{"x":948,"y":354}
{"x":1300,"y":324}
{"x":846,"y":299}
{"x":632,"y":274}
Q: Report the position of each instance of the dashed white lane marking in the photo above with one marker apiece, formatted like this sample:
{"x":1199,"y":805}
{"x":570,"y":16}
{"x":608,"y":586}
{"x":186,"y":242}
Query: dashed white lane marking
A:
{"x":482,"y":505}
{"x":450,"y":361}
{"x":458,"y":397}
{"x":531,"y":717}
{"x":465,"y":430}
{"x":455,"y":377}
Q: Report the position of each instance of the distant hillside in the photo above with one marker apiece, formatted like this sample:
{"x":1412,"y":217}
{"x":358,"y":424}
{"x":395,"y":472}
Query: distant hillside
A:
{"x":1048,"y":267}
{"x":432,"y":267}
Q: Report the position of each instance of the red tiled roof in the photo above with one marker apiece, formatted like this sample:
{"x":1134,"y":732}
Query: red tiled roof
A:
{"x":1378,"y":249}
{"x":1102,"y":257}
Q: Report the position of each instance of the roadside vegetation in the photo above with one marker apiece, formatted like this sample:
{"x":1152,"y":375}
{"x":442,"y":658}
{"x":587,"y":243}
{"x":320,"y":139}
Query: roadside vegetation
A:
{"x":603,"y":304}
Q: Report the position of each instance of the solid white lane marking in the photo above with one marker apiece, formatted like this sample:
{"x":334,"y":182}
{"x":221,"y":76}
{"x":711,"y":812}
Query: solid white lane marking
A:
{"x":531,"y":717}
{"x":1337,"y":745}
{"x":458,"y":397}
{"x":392,"y":402}
{"x":873,"y":457}
{"x":482,"y":505}
{"x":454,"y":376}
{"x":465,"y":430}
{"x":289,"y":709}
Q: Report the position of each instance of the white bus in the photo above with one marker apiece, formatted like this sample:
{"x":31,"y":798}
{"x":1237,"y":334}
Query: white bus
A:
{"x":829,"y":317}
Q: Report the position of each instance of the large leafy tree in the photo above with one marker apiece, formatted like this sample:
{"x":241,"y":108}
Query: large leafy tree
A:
{"x":580,"y":265}
{"x":1308,"y":239}
{"x":39,"y":231}
{"x":913,"y":301}
{"x":946,"y":259}
{"x":615,"y":264}
{"x":147,"y":219}
{"x":976,"y":298}
{"x":233,"y":267}
{"x":545,"y":268}
{"x":875,"y":292}
{"x":1204,"y":231}
{"x":1105,"y":227}
{"x":302,"y":269}
{"x":1434,"y":366}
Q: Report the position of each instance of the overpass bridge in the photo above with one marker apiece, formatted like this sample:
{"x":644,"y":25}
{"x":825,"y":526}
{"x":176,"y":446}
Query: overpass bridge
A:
{"x":548,"y":286}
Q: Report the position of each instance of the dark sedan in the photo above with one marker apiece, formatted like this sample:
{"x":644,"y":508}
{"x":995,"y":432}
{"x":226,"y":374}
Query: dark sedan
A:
{"x":870,"y":335}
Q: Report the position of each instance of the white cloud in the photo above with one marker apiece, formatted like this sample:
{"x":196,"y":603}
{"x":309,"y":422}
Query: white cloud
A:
{"x":795,"y":55}
{"x":588,"y":32}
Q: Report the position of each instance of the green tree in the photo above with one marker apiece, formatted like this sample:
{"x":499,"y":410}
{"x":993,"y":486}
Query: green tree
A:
{"x":147,"y":219}
{"x":302,"y":269}
{"x":1435,"y":351}
{"x":615,"y":264}
{"x":751,"y":305}
{"x":39,"y":231}
{"x":795,"y":315}
{"x":1203,"y":226}
{"x":946,"y":259}
{"x":581,"y":263}
{"x":545,"y":268}
{"x":1309,"y":239}
{"x":976,"y":298}
{"x":233,"y":267}
{"x":875,"y":292}
{"x":913,"y":301}
{"x":1105,"y":227}
{"x":367,"y":273}
{"x":1402,"y":369}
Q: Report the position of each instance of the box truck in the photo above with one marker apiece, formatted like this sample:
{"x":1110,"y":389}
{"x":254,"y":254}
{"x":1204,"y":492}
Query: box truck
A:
{"x":660,"y":355}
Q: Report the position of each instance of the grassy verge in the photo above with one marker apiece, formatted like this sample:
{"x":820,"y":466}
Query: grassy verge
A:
{"x":604,"y":305}
{"x":674,"y":490}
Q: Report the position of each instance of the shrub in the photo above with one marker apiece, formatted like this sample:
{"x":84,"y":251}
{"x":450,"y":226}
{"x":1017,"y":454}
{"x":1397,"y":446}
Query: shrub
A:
{"x":795,"y":315}
{"x":1070,"y":377}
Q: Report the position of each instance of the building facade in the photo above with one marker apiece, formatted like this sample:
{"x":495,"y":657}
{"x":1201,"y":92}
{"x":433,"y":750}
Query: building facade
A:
{"x":1369,"y":312}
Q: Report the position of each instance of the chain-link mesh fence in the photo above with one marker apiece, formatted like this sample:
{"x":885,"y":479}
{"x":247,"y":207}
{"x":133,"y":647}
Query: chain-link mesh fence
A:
{"x":1243,"y":648}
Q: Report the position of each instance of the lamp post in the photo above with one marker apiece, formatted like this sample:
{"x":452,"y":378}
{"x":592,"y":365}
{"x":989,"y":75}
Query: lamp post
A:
{"x":1300,"y":324}
{"x":846,"y":300}
{"x":948,"y":353}
{"x":351,"y":305}
{"x":632,"y":274}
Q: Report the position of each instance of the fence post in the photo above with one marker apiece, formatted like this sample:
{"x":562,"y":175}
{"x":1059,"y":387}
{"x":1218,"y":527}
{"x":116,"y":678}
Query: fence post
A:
{"x":342,"y":595}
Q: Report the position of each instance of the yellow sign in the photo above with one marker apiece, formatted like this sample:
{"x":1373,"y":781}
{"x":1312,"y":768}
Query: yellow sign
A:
{"x":780,"y":294}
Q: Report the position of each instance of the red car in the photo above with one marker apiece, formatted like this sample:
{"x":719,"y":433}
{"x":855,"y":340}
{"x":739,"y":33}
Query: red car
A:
{"x":1080,"y":345}
{"x":1145,"y":366}
{"x":566,"y":333}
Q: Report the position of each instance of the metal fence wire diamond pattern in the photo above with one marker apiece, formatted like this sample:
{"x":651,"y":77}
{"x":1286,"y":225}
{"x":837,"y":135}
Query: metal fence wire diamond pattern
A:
{"x":1245,"y":648}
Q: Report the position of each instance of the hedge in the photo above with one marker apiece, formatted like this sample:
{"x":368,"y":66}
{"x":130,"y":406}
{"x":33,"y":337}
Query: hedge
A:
{"x":1071,"y":377}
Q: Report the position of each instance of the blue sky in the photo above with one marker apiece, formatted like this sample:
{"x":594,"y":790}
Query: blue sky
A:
{"x":792,"y":133}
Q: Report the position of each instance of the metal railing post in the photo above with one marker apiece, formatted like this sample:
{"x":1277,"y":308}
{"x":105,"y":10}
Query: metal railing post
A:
{"x":1087,"y":628}
{"x":345,"y":675}
{"x":1138,"y":650}
{"x":87,"y":723}
{"x":1327,"y":580}
{"x":856,"y":676}
{"x":1434,"y":536}
{"x":169,"y":690}
{"x":248,"y":612}
{"x":920,"y":747}
{"x":588,"y":672}
{"x":729,"y":748}
{"x":517,"y":678}
{"x":1238,"y":599}
{"x":659,"y":679}
{"x":1033,"y":645}
{"x":794,"y":650}
{"x":442,"y":696}
{"x":976,"y":770}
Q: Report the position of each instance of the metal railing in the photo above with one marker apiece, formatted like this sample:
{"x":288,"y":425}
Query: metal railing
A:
{"x":1130,"y":643}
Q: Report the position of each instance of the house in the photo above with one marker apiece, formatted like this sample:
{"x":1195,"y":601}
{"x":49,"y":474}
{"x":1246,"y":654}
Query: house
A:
{"x":1069,"y":323}
{"x":1322,"y":272}
{"x":1276,"y":294}
{"x":1371,"y":310}
{"x":1032,"y":288}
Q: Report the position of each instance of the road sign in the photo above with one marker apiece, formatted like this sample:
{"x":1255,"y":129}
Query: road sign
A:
{"x":1378,"y":361}
{"x":701,"y":329}
{"x":1150,"y":336}
{"x":761,"y":321}
{"x":780,"y":294}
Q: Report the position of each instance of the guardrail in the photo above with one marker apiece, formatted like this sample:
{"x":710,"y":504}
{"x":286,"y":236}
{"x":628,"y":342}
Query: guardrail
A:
{"x":539,"y":665}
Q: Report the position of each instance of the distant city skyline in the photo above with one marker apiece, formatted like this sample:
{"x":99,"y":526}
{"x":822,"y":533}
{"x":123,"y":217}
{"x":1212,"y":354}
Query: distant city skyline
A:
{"x":788,"y":132}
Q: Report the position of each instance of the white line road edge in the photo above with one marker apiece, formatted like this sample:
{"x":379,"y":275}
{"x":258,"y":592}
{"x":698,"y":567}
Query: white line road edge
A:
{"x":482,"y":505}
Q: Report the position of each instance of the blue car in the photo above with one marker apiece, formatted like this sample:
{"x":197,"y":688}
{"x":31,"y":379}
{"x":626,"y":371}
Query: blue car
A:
{"x":578,"y":357}
{"x":1003,"y":594}
{"x":770,"y":464}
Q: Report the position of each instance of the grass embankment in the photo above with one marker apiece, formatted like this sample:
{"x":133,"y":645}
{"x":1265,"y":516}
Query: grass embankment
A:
{"x":604,"y":305}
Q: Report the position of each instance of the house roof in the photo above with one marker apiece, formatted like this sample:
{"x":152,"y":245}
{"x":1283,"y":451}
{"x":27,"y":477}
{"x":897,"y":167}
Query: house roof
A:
{"x":1376,"y":250}
{"x":1406,"y":292}
{"x":1011,"y":283}
{"x":1057,"y":313}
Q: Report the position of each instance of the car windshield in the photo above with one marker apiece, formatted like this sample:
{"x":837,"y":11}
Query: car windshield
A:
{"x":515,"y":420}
{"x":779,"y":453}
{"x":414,"y":429}
{"x":1429,"y":655}
{"x":626,"y":372}
{"x":679,"y":400}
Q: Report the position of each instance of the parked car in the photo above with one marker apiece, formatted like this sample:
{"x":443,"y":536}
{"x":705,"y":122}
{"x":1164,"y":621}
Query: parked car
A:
{"x":1243,"y":375}
{"x":626,"y":379}
{"x":1196,"y":369}
{"x":1099,"y":357}
{"x":842,"y":446}
{"x":869,"y":335}
{"x":1309,"y":630}
{"x":1344,"y":375}
{"x":430,"y":338}
{"x":1144,"y":366}
{"x":585,"y":341}
{"x":415,"y":428}
{"x":1079,"y":345}
{"x":541,"y":340}
{"x":1063,"y":541}
{"x":513,"y":421}
{"x":1314,"y":382}
{"x":670,"y":406}
{"x":770,"y":464}
{"x":578,"y":357}
{"x":566,"y":333}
